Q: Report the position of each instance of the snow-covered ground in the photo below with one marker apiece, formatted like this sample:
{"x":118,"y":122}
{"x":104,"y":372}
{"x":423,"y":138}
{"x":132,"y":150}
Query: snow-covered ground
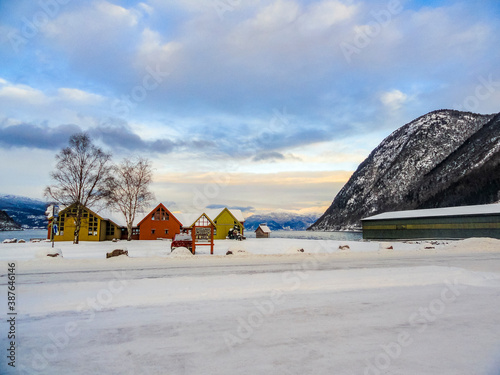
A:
{"x":418,"y":308}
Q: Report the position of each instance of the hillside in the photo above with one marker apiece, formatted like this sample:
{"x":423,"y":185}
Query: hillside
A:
{"x":6,"y":222}
{"x":27,"y":212}
{"x":442,"y":159}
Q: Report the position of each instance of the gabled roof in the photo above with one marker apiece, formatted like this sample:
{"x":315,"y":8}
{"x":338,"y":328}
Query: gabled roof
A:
{"x":187,"y":219}
{"x":264,"y":228}
{"x":156,"y":208}
{"x":484,"y":209}
{"x":198,"y":218}
{"x":236,"y":214}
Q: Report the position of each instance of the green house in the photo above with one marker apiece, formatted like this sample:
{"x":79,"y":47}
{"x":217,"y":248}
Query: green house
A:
{"x":436,"y":223}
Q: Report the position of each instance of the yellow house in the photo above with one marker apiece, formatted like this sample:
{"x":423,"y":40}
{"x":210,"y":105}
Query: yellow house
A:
{"x":94,"y":227}
{"x":226,"y":220}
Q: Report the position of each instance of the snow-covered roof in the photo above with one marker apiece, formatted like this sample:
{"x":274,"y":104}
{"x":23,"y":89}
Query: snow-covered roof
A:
{"x":111,"y":215}
{"x":484,"y":209}
{"x":237,"y":214}
{"x":264,"y":228}
{"x":187,"y":219}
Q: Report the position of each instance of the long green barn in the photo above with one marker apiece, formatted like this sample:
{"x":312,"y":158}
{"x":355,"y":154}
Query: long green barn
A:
{"x":436,"y":223}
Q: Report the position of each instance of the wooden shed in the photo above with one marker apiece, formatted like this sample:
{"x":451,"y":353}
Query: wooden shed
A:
{"x":263,"y":231}
{"x":159,"y":223}
{"x":436,"y":223}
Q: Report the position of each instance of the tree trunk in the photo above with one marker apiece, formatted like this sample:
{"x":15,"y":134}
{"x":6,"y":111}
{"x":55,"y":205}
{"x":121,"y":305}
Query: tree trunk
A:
{"x":77,"y":233}
{"x":78,"y":224}
{"x":129,"y":229}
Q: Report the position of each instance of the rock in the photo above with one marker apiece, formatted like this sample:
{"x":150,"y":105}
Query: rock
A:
{"x":295,"y":250}
{"x":344,"y":247}
{"x":116,"y":253}
{"x":385,"y":246}
{"x":229,"y":252}
{"x":49,"y":252}
{"x":10,"y":240}
{"x":21,"y":241}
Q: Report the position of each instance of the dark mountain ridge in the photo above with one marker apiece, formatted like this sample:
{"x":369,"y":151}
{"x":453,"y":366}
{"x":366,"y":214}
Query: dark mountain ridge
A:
{"x":442,"y":159}
{"x":27,"y":212}
{"x":6,"y":222}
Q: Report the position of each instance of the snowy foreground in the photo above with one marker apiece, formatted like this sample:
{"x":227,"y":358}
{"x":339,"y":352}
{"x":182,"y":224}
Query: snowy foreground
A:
{"x":418,"y":308}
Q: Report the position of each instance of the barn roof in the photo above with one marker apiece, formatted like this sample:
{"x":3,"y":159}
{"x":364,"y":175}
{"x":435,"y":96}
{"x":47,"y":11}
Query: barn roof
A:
{"x":484,"y":209}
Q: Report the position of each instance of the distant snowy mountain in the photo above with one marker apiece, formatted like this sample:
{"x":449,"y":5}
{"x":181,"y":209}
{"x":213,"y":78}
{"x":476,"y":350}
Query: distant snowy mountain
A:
{"x":281,"y":221}
{"x":442,"y":159}
{"x":27,"y":212}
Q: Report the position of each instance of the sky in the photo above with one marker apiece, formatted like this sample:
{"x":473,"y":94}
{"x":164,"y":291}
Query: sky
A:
{"x":261,"y":105}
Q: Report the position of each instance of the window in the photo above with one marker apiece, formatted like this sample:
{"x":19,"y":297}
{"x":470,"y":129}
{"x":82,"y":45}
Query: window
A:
{"x":93,"y":222}
{"x":153,"y":231}
{"x":160,"y":214}
{"x":166,"y":231}
{"x":110,"y":229}
{"x":60,"y":225}
{"x":135,"y":231}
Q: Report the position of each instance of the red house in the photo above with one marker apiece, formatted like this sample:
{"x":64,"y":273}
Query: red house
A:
{"x":159,"y":223}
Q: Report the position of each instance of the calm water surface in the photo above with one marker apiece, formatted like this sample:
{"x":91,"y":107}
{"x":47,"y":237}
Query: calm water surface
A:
{"x":336,"y":236}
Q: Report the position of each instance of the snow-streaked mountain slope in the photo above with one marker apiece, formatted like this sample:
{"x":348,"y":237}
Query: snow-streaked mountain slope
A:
{"x":442,"y":159}
{"x":280,"y":221}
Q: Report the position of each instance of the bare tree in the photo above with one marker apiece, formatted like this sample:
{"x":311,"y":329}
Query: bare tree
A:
{"x":129,"y":192}
{"x":81,"y":177}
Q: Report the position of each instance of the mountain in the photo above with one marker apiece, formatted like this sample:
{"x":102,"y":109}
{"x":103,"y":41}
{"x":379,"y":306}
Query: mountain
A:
{"x":281,"y":221}
{"x":6,"y":222}
{"x":442,"y":159}
{"x":28,"y":212}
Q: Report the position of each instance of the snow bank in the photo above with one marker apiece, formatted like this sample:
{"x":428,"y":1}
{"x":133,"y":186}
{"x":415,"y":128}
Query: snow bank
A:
{"x":181,"y":252}
{"x":474,"y":244}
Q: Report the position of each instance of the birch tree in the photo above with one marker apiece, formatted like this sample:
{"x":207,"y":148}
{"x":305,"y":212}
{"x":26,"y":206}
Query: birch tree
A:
{"x":130,"y":189}
{"x":81,"y":177}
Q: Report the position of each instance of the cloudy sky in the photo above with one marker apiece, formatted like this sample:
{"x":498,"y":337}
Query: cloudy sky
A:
{"x":259,"y":104}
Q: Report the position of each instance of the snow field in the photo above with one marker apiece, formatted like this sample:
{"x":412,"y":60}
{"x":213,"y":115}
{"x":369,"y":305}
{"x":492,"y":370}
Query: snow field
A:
{"x":344,"y":312}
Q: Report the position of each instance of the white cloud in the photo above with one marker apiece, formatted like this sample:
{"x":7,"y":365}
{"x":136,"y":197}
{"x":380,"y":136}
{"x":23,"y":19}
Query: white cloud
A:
{"x":20,"y":94}
{"x":79,"y":96}
{"x":393,"y":99}
{"x":322,"y":15}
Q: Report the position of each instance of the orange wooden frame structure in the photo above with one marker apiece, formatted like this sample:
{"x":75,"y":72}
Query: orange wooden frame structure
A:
{"x":200,"y":229}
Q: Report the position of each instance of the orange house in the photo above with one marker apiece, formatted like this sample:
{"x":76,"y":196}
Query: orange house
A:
{"x":159,"y":223}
